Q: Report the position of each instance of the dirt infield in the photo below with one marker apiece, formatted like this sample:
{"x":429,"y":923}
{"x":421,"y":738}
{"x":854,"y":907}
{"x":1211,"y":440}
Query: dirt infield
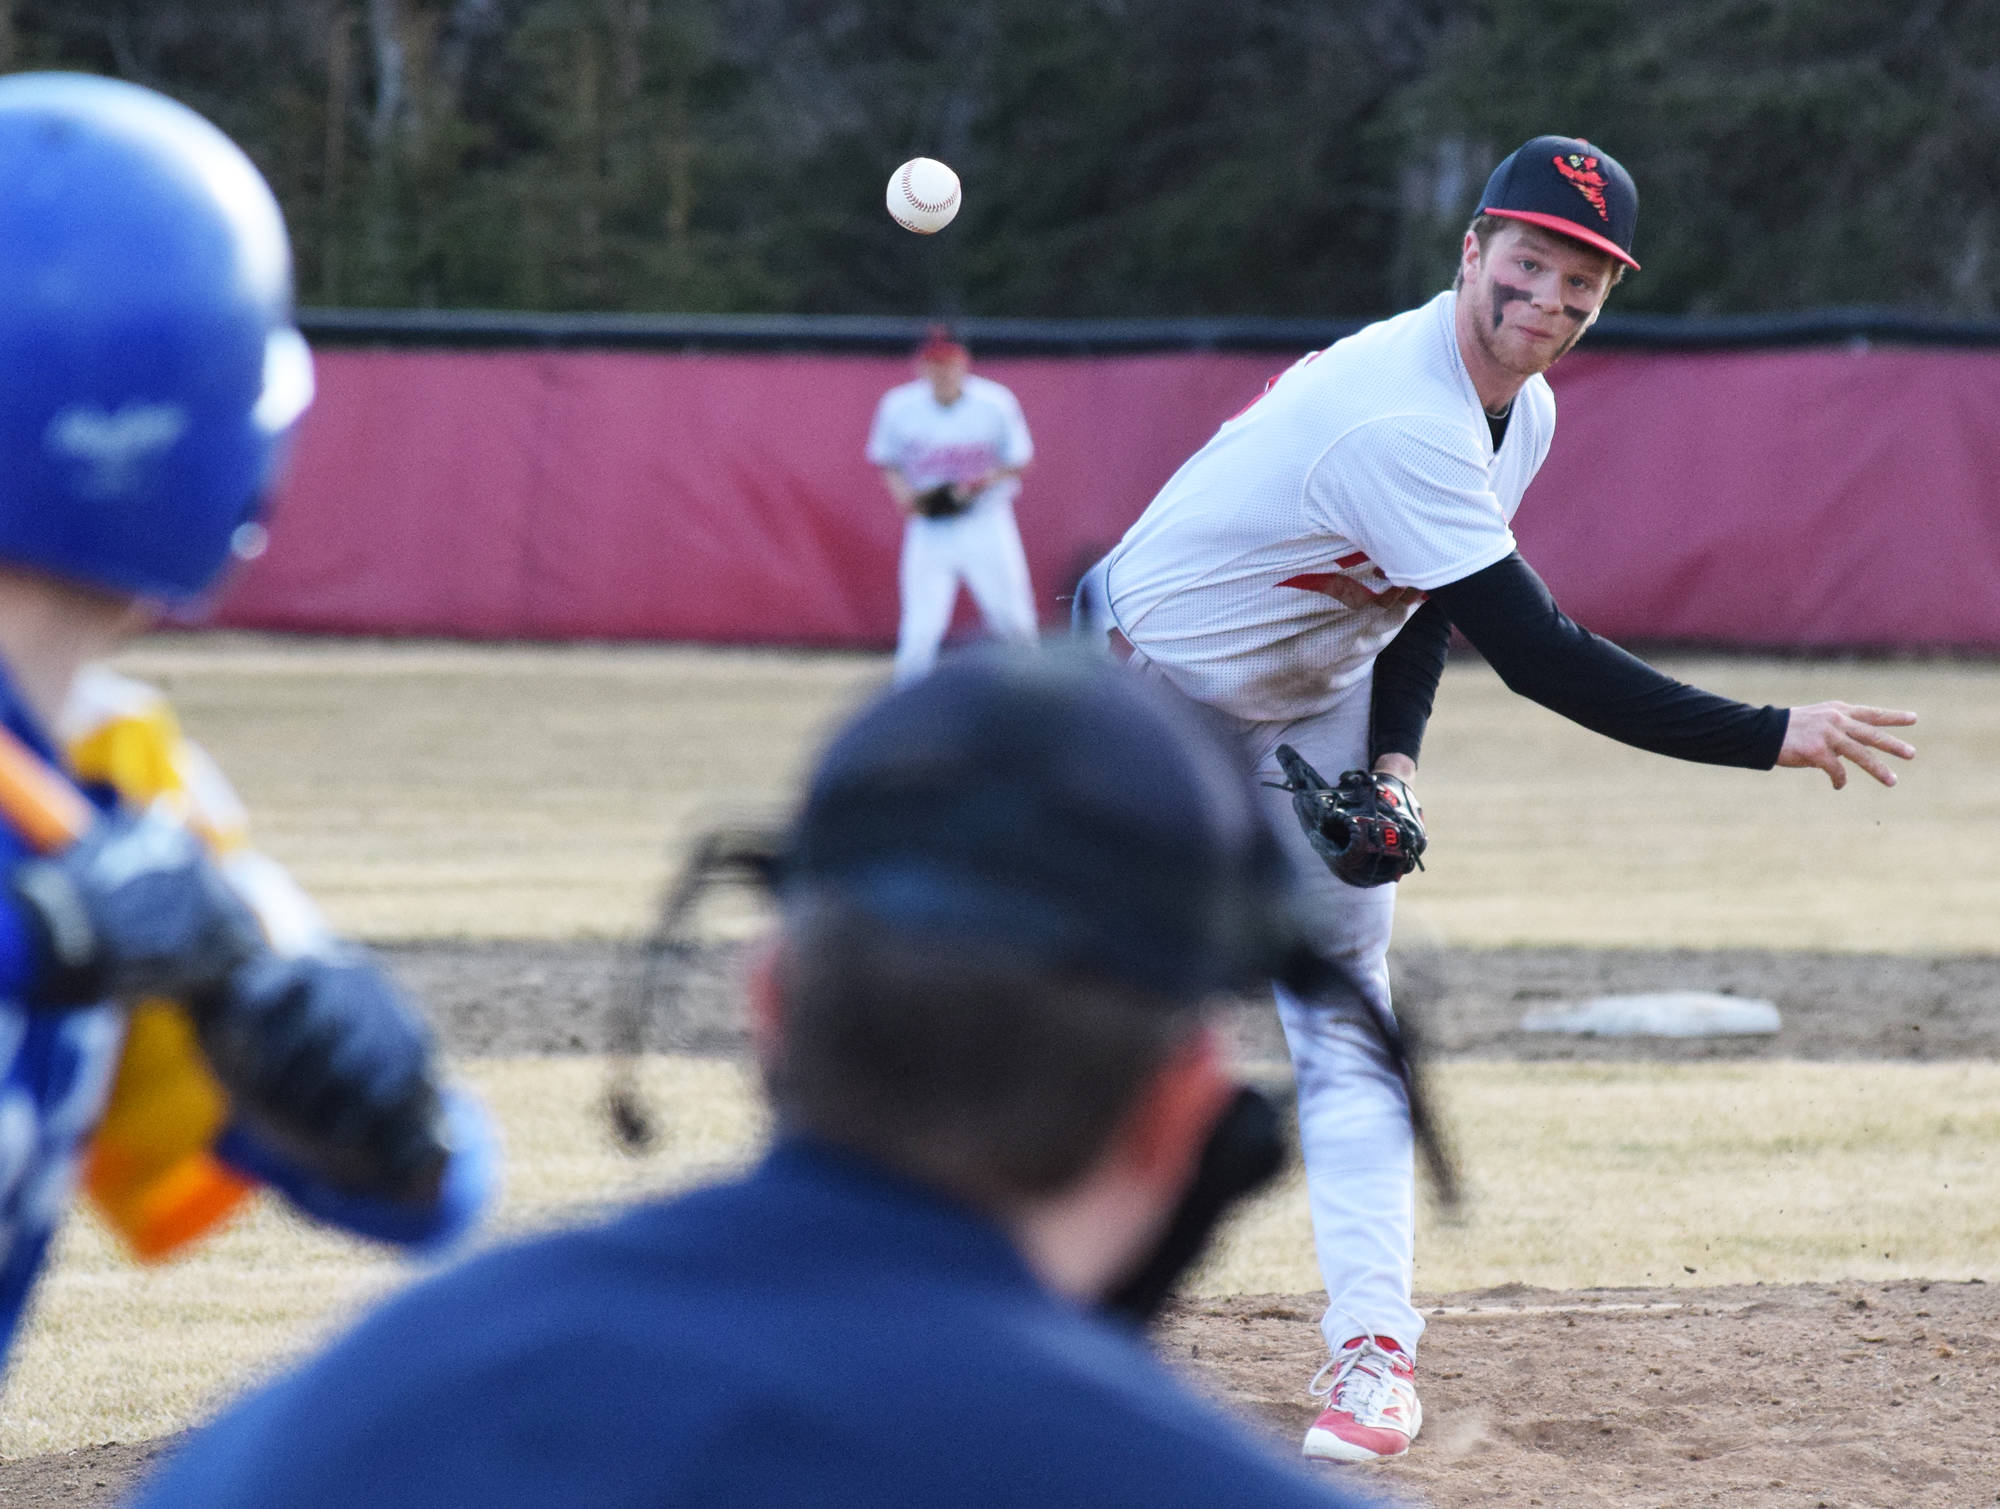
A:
{"x":536,"y":997}
{"x":1773,"y":1397}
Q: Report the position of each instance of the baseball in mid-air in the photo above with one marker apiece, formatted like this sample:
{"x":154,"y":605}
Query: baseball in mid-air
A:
{"x":923,"y":195}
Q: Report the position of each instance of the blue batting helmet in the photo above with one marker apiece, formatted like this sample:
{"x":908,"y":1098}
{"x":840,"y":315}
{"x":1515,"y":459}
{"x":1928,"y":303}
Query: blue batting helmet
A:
{"x":150,"y":373}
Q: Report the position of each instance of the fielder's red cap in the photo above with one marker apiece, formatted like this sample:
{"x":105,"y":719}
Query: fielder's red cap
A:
{"x":1565,"y":185}
{"x":940,"y":345}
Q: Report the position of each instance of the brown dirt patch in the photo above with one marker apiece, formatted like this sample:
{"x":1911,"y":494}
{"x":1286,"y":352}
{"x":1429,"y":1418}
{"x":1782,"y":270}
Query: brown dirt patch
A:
{"x":533,"y":997}
{"x":1767,"y":1397}
{"x":81,"y":1479}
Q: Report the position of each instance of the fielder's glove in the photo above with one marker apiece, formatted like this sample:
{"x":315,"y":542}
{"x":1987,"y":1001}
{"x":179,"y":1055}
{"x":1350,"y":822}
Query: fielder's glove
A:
{"x":1369,"y":828}
{"x":134,"y":908}
{"x":946,"y":501}
{"x":326,"y":1061}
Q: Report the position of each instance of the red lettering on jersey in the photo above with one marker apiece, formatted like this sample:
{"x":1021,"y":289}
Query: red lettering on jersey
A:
{"x":956,"y":463}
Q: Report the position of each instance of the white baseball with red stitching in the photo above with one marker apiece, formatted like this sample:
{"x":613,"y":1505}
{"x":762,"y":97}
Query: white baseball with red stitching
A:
{"x":923,"y":195}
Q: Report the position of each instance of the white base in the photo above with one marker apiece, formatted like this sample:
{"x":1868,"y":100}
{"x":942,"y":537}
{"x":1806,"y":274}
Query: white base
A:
{"x":1676,"y":1013}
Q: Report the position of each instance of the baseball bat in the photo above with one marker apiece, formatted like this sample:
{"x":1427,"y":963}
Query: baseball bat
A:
{"x":43,"y":808}
{"x":156,"y":1179}
{"x":52,"y":814}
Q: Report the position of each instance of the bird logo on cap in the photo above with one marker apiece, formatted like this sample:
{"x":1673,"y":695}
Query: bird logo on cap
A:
{"x":1581,"y":171}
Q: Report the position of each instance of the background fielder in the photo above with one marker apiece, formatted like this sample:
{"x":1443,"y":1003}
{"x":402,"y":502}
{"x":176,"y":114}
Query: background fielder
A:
{"x":1302,"y":574}
{"x":951,"y":447}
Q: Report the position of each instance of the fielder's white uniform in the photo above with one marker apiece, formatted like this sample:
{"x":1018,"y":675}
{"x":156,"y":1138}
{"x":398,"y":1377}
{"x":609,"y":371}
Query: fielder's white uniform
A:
{"x":1263,"y":581}
{"x":931,"y":443}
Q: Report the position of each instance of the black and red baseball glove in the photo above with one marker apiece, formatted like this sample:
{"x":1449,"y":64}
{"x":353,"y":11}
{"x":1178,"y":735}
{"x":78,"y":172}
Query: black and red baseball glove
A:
{"x":1368,"y":827}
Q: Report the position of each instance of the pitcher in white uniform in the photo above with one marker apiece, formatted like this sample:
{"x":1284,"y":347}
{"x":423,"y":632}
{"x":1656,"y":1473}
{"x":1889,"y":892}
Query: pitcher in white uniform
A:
{"x":951,"y":448}
{"x":1302,"y":573}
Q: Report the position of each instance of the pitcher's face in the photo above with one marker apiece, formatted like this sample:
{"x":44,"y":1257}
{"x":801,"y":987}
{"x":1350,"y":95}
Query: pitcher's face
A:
{"x":1533,"y":293}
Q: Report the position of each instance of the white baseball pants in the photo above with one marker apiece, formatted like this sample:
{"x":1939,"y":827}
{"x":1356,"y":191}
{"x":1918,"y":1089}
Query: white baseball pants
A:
{"x":982,"y":548}
{"x":1354,"y":1122}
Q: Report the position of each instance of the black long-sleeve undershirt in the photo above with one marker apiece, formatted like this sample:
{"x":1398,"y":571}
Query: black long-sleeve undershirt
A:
{"x":1406,"y":678}
{"x":1544,"y":655}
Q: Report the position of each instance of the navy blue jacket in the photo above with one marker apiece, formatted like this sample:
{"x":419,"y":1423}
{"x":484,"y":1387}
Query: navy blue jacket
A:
{"x":817,"y":1333}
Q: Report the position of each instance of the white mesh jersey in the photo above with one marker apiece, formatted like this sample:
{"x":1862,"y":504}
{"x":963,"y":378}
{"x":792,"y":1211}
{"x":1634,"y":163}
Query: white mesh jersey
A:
{"x":1279,"y":560}
{"x":931,"y":443}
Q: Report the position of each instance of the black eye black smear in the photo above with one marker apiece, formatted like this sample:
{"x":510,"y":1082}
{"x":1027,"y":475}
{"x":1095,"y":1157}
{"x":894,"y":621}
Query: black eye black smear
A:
{"x":1505,"y":294}
{"x":1576,"y":315}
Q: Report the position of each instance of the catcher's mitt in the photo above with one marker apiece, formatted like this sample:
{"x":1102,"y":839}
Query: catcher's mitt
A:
{"x":945,"y":501}
{"x":1368,"y":828}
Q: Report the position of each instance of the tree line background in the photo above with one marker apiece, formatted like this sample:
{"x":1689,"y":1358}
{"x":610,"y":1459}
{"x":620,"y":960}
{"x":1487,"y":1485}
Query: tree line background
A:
{"x":1120,"y":157}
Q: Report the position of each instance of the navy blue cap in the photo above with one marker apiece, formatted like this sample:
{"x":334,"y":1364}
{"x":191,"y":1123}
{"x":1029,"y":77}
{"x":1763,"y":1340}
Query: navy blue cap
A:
{"x":1059,"y":807}
{"x":1565,"y":185}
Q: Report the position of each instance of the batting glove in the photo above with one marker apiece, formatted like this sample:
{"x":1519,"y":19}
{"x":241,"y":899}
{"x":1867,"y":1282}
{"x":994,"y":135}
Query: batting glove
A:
{"x":328,"y":1063}
{"x":135,"y":908}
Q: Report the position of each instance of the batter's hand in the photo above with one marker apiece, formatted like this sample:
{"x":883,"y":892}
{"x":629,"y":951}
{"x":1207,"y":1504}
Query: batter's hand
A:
{"x":1828,"y":733}
{"x":134,"y":908}
{"x":333,"y":1067}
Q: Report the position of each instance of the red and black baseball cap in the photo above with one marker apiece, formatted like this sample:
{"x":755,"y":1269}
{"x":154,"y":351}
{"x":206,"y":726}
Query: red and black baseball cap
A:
{"x":941,"y":344}
{"x":1565,"y":185}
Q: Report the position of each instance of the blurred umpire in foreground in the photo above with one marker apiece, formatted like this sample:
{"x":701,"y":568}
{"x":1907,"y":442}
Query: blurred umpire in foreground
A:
{"x":1004,"y":1126}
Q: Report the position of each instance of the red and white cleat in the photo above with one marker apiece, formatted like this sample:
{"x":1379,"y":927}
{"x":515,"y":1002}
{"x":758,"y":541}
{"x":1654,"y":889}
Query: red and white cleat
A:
{"x":1371,"y":1403}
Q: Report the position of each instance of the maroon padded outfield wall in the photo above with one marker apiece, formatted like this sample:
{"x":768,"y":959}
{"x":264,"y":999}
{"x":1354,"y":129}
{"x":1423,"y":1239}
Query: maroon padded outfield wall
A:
{"x":1817,"y":497}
